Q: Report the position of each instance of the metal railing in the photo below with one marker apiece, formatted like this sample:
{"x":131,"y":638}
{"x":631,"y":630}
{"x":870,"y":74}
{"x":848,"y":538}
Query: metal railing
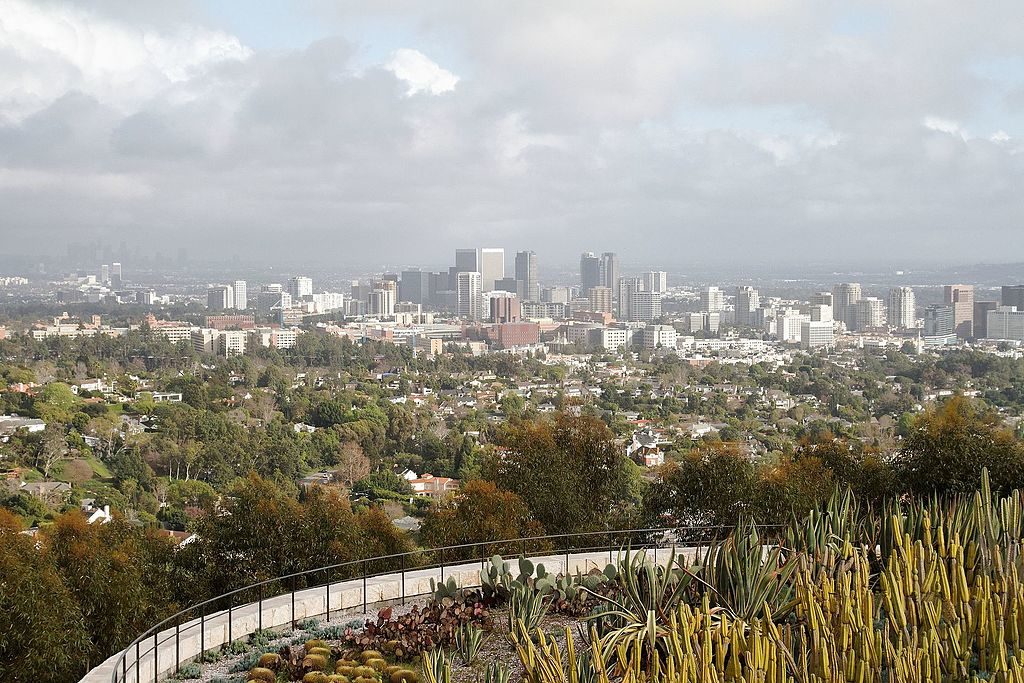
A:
{"x":127,"y":666}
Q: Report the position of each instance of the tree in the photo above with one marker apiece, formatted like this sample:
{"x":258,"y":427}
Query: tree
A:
{"x":479,"y":513}
{"x":710,"y":486}
{"x":56,"y":403}
{"x":43,"y":634}
{"x":568,"y":470}
{"x":352,"y":463}
{"x":948,"y":446}
{"x":52,"y":447}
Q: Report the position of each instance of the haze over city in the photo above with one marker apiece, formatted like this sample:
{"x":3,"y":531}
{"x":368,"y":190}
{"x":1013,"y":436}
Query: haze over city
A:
{"x":674,"y":133}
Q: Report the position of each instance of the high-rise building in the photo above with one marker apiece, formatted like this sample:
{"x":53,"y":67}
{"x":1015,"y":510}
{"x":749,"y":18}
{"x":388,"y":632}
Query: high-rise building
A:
{"x":821,"y":312}
{"x":505,"y":309}
{"x":816,"y":334}
{"x":467,"y":261}
{"x":623,"y":292}
{"x":590,"y":272}
{"x":527,"y":282}
{"x":822,"y":299}
{"x":241,"y":295}
{"x":414,"y":286}
{"x":609,"y":270}
{"x":748,"y":300}
{"x":556,"y":295}
{"x":961,"y":298}
{"x":468,"y":289}
{"x":105,"y":274}
{"x":868,"y":313}
{"x":1012,"y":295}
{"x":115,"y":275}
{"x":644,"y":306}
{"x":712,"y":299}
{"x":981,"y":310}
{"x":601,"y":299}
{"x":939,"y":321}
{"x":220,"y":297}
{"x":902,"y":308}
{"x":844,"y":296}
{"x":506,"y":284}
{"x":300,"y":287}
{"x":492,"y":267}
{"x":1006,"y":322}
{"x":655,"y":281}
{"x":382,"y":299}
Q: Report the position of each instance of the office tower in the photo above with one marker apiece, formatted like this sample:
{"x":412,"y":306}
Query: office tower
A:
{"x":816,"y":334}
{"x":300,"y":286}
{"x":115,"y":275}
{"x":644,"y":306}
{"x":601,"y":299}
{"x":505,"y":309}
{"x":712,"y":299}
{"x":822,"y":299}
{"x":414,"y":286}
{"x":902,"y":308}
{"x":467,"y":261}
{"x":590,"y":272}
{"x":655,"y":281}
{"x":527,"y":283}
{"x":555,"y":295}
{"x":492,"y":267}
{"x":241,"y":296}
{"x":961,"y":298}
{"x":981,"y":311}
{"x":468,"y":292}
{"x":939,"y":321}
{"x":104,"y":274}
{"x":1012,"y":295}
{"x":844,"y":296}
{"x":788,"y":325}
{"x":1005,"y":322}
{"x":821,"y":313}
{"x":624,"y":290}
{"x":382,"y":299}
{"x":506,"y":284}
{"x":609,"y":270}
{"x":748,"y":300}
{"x":868,"y":313}
{"x":220,"y":297}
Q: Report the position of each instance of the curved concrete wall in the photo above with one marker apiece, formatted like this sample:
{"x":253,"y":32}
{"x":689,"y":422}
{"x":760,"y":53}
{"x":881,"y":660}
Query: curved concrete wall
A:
{"x":211,"y":632}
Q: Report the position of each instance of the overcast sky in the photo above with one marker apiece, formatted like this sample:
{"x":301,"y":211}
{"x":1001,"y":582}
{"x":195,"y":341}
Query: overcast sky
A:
{"x":672,"y":132}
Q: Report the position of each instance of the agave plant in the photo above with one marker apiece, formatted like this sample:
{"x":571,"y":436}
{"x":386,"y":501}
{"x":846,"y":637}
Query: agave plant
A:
{"x":437,"y":667}
{"x":468,"y":640}
{"x":526,"y":606}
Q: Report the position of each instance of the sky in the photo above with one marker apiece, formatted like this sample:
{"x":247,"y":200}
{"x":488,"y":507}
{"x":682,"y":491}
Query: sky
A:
{"x":673,"y":132}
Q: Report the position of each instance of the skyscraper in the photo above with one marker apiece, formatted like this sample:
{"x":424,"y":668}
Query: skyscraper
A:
{"x":414,"y":286}
{"x":609,"y":270}
{"x":868,"y":313}
{"x":902,"y":308}
{"x":624,"y":291}
{"x":104,"y":274}
{"x":712,"y":299}
{"x":601,"y":299}
{"x":220,"y":297}
{"x":981,"y":311}
{"x":467,"y":261}
{"x":300,"y":286}
{"x":115,"y":275}
{"x":492,"y":267}
{"x":1012,"y":295}
{"x":382,"y":298}
{"x":748,"y":300}
{"x":241,"y":295}
{"x":468,"y":289}
{"x":590,"y":272}
{"x":527,"y":283}
{"x":656,"y":281}
{"x":844,"y":296}
{"x":961,"y":298}
{"x":644,"y":306}
{"x":938,"y":321}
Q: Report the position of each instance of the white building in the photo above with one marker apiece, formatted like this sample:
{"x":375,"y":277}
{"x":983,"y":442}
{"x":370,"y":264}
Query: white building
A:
{"x":492,"y":267}
{"x":220,"y":297}
{"x":789,"y":325}
{"x":816,"y":334}
{"x":902,"y":308}
{"x":1006,"y":322}
{"x":469,"y":299}
{"x":300,"y":286}
{"x":644,"y":306}
{"x":869,"y":313}
{"x":712,"y":299}
{"x":655,"y":281}
{"x":241,"y":297}
{"x":748,"y":300}
{"x":659,"y":336}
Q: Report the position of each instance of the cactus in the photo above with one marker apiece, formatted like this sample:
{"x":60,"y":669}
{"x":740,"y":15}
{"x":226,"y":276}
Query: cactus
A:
{"x":445,"y":589}
{"x":468,"y":640}
{"x":262,"y":674}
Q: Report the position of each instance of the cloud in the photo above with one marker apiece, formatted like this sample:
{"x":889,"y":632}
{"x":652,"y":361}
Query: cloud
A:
{"x":420,"y":73}
{"x":671,"y":132}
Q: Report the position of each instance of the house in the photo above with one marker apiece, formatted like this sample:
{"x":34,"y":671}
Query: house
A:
{"x":434,"y":487}
{"x":317,"y":479}
{"x":179,"y":538}
{"x":45,"y":490}
{"x":645,"y":448}
{"x":100,"y":516}
{"x":301,"y":428}
{"x":12,"y":423}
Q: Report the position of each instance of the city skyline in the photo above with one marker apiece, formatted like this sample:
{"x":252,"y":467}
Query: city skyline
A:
{"x":672,"y":133}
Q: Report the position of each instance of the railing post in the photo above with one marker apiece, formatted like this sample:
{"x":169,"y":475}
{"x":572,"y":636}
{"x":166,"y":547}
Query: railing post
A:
{"x":328,"y":594}
{"x":177,"y":645}
{"x":156,"y":655}
{"x":364,"y":586}
{"x":403,"y":579}
{"x":124,"y":667}
{"x":293,"y":603}
{"x":136,"y":661}
{"x":231,"y":601}
{"x":259,"y":618}
{"x":202,"y":633}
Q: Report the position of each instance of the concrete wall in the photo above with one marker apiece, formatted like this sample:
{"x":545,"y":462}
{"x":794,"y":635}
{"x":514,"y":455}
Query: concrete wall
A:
{"x":172,"y":646}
